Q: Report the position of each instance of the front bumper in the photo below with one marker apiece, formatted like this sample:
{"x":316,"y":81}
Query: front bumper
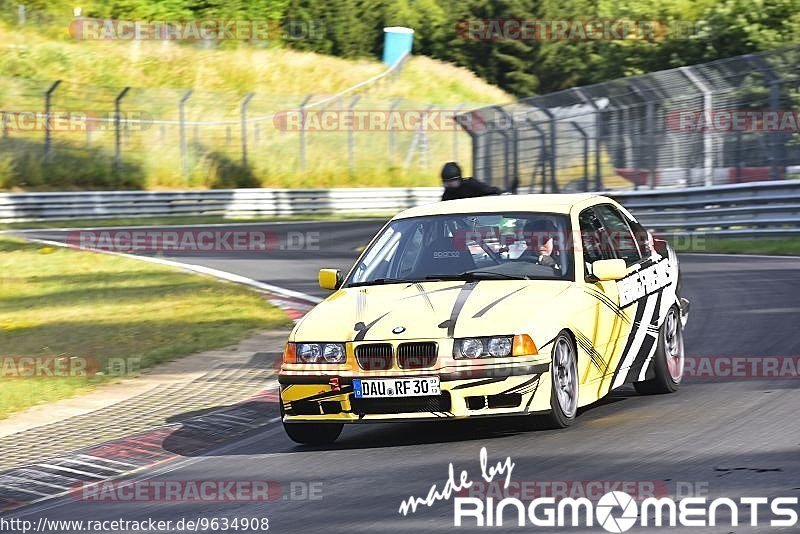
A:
{"x":466,"y":391}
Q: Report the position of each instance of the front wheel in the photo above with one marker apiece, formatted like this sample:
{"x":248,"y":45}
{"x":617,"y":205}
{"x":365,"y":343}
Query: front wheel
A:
{"x":668,"y":360}
{"x":313,"y":433}
{"x":563,"y":383}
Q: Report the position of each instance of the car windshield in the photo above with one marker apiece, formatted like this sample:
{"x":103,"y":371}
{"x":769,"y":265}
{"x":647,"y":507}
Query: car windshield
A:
{"x":468,"y":246}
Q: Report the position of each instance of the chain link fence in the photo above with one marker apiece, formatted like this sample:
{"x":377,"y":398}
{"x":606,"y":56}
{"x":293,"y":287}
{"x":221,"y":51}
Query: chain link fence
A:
{"x":60,"y":134}
{"x":729,"y":121}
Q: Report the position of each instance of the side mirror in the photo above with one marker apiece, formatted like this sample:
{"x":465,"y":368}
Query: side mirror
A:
{"x":330,"y":278}
{"x":605,"y":270}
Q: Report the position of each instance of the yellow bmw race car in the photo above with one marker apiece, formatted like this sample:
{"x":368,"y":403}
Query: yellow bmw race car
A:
{"x":506,"y":305}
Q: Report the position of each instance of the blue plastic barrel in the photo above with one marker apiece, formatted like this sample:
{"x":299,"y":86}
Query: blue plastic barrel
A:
{"x":397,"y":42}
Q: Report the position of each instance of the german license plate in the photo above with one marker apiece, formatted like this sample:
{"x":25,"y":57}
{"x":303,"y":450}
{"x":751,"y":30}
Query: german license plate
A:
{"x":396,"y":387}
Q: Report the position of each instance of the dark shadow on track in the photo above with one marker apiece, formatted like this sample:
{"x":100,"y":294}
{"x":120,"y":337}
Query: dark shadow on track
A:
{"x":203,"y":430}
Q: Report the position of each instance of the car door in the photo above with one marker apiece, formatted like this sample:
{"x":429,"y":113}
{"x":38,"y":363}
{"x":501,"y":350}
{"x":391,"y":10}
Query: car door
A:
{"x":638,"y":339}
{"x":603,"y":323}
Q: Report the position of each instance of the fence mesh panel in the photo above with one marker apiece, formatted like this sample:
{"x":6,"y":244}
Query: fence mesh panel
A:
{"x":729,"y":121}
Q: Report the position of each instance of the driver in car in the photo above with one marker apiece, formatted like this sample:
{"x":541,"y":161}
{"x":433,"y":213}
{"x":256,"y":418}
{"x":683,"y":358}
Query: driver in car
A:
{"x":539,"y":235}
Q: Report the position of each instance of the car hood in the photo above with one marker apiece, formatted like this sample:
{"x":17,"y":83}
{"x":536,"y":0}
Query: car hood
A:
{"x":431,"y":310}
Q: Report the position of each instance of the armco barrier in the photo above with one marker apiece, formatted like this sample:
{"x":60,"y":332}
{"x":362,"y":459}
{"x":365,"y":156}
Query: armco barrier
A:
{"x":743,"y":210}
{"x":765,"y":208}
{"x":233,"y":203}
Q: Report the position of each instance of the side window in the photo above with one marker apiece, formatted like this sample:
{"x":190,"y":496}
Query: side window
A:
{"x":595,"y":247}
{"x":619,"y":234}
{"x":642,"y":238}
{"x":411,"y":252}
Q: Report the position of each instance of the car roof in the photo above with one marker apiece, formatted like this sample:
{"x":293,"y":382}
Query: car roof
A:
{"x":551,"y":203}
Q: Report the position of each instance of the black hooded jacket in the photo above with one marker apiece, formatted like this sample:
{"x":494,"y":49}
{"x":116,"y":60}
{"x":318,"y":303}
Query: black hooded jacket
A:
{"x":469,"y":188}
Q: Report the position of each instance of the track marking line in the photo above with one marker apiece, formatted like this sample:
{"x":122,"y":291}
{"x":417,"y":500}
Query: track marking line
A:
{"x":35,"y":481}
{"x":69,"y":470}
{"x":109,"y":460}
{"x":24,"y":490}
{"x":88,"y":464}
{"x":168,"y":465}
{"x":199,"y":269}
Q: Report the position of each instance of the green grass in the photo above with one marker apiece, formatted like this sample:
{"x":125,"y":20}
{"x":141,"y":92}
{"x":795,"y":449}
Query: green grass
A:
{"x":29,"y":53}
{"x":778,"y":246}
{"x":104,"y":309}
{"x":93,"y":73}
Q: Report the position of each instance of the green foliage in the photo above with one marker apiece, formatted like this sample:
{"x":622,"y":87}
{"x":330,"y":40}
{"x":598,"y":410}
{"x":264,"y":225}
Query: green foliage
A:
{"x":690,"y":31}
{"x":23,"y":166}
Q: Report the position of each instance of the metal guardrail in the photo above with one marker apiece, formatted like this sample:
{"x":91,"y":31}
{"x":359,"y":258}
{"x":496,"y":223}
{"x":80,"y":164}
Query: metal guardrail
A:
{"x":233,"y":203}
{"x":758,"y":209}
{"x":743,"y":210}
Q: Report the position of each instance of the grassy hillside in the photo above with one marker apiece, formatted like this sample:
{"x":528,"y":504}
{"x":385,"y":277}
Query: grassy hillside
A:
{"x":93,"y":73}
{"x":30,"y":54}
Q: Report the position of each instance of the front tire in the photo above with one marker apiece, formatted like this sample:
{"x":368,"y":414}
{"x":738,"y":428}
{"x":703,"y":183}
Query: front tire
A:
{"x":563,"y":383}
{"x":313,"y":433}
{"x":668,"y":360}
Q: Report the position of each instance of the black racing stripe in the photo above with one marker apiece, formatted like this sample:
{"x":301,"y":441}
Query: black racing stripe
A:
{"x":586,"y":344}
{"x":362,"y":329}
{"x":480,"y":383}
{"x":647,"y":344}
{"x":495,"y":303}
{"x":461,"y":299}
{"x":644,"y":297}
{"x":548,"y":343}
{"x":600,"y":295}
{"x":528,"y":404}
{"x":607,"y":302}
{"x":426,"y":293}
{"x":515,"y":389}
{"x":319,"y":396}
{"x":634,"y":328}
{"x":636,"y":368}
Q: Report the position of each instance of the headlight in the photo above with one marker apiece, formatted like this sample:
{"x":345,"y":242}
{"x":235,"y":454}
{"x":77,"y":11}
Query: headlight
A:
{"x":333,"y":352}
{"x":308,"y":352}
{"x":471,"y":348}
{"x":483,"y":347}
{"x":321,"y":353}
{"x":499,"y":347}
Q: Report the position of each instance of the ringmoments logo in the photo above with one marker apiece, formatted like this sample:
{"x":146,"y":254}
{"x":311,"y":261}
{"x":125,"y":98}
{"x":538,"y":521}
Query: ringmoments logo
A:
{"x":615,"y":511}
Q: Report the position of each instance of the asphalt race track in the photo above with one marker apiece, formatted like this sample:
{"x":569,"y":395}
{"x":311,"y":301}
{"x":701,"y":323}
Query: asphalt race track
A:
{"x":727,"y":437}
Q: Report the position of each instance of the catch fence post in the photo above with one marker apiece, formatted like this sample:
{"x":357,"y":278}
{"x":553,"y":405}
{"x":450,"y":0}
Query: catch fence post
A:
{"x":48,"y":126}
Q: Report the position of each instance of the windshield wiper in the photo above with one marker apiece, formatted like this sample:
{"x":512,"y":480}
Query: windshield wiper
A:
{"x":476,"y":275}
{"x":382,"y":281}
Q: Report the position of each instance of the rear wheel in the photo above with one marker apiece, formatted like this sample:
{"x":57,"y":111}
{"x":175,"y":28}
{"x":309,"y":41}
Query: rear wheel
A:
{"x":563,"y":383}
{"x":313,"y":433}
{"x":668,"y":359}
